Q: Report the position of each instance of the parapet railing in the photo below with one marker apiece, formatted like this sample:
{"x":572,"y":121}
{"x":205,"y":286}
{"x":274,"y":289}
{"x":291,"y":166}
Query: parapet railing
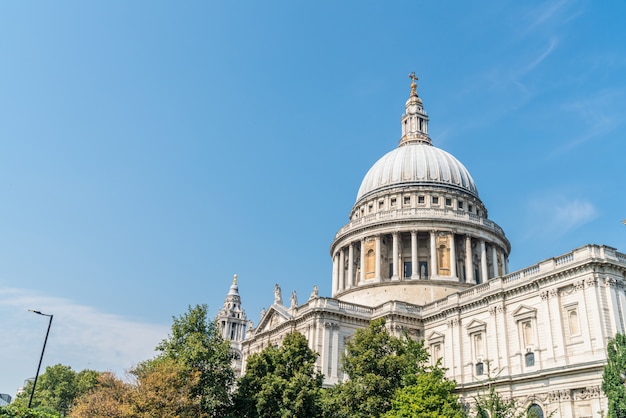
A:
{"x":422,"y":213}
{"x":586,"y":252}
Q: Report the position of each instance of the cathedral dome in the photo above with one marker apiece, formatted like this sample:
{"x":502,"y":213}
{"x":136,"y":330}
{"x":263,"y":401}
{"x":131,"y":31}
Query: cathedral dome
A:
{"x":417,"y":163}
{"x":418,"y":230}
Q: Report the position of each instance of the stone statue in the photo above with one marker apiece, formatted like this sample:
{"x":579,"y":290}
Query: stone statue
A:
{"x":278,"y":298}
{"x":314,"y":293}
{"x":294,"y":300}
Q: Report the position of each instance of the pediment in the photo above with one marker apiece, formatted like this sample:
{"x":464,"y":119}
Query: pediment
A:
{"x":272,"y":318}
{"x":435,"y":337}
{"x":475,"y":326}
{"x":524,"y":312}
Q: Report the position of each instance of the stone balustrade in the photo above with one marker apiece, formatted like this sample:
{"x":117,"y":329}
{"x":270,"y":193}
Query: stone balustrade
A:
{"x":436,"y":214}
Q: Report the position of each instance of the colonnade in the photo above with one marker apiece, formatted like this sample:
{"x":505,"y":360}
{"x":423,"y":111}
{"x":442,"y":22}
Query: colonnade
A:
{"x":361,"y":261}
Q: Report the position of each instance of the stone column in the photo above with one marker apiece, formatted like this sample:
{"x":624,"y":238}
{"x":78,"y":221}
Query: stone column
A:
{"x":342,"y":269}
{"x":335,"y":272}
{"x":483,"y":262}
{"x":335,"y":361}
{"x":377,"y":258}
{"x":394,"y":274}
{"x":414,"y":263}
{"x":362,"y":275}
{"x":350,"y":266}
{"x":433,"y":254}
{"x":469,"y":263}
{"x":494,"y":256}
{"x":453,"y":273}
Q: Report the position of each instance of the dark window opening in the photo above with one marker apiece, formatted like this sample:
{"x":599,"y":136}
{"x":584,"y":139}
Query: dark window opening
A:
{"x":480,"y":369}
{"x":408,"y":270}
{"x":534,"y":411}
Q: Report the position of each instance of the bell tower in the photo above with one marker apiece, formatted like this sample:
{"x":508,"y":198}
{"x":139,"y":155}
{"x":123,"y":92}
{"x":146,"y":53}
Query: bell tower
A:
{"x":232,"y":322}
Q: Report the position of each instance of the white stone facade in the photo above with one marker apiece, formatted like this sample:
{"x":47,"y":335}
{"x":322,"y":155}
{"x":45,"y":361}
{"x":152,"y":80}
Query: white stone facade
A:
{"x":420,"y":252}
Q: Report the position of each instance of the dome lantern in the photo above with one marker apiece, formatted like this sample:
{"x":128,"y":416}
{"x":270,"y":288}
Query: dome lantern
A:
{"x":415,"y":120}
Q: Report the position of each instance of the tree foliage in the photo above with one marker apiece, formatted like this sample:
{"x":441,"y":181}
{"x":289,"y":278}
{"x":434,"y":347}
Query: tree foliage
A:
{"x":378,"y":364}
{"x":165,"y":389}
{"x":203,"y":356}
{"x":57,"y":388}
{"x":431,"y":396}
{"x":491,"y":403}
{"x":190,"y":377}
{"x":614,"y":376}
{"x":280,"y":382}
{"x":160,"y":389}
{"x":110,"y":398}
{"x":18,"y":411}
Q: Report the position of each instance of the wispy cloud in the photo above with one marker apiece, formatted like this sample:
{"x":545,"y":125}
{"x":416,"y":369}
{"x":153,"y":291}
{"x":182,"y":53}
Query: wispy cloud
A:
{"x":538,"y":59}
{"x":554,"y":215}
{"x":81,"y":337}
{"x":598,"y":115}
{"x":547,"y":13}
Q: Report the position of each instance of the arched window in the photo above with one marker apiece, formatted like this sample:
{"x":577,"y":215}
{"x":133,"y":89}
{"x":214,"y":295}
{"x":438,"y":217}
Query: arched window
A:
{"x":527,"y":330}
{"x":478,"y":344}
{"x":534,"y":411}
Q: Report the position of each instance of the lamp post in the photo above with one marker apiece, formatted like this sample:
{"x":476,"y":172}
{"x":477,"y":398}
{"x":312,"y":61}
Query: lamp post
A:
{"x":42,"y":351}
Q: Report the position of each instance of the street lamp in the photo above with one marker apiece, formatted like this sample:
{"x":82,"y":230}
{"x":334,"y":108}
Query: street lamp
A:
{"x":42,"y":351}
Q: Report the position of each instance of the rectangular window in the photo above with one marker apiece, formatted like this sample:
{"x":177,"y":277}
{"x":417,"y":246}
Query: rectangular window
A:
{"x":420,"y":199}
{"x":407,"y":200}
{"x":435,"y":200}
{"x":435,"y":353}
{"x":380,"y":204}
{"x":408,"y":270}
{"x":480,"y":369}
{"x":460,"y":204}
{"x":393,"y":201}
{"x":448,"y":201}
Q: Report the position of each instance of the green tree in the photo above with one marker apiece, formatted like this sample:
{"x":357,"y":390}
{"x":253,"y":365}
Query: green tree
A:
{"x":280,"y":382}
{"x":378,"y":364}
{"x":491,"y":403}
{"x":57,"y":388}
{"x":614,"y":376}
{"x":18,"y":411}
{"x":431,"y":396}
{"x":198,"y":348}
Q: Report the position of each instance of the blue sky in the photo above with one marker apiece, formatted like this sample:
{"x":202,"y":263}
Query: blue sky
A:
{"x":150,"y":150}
